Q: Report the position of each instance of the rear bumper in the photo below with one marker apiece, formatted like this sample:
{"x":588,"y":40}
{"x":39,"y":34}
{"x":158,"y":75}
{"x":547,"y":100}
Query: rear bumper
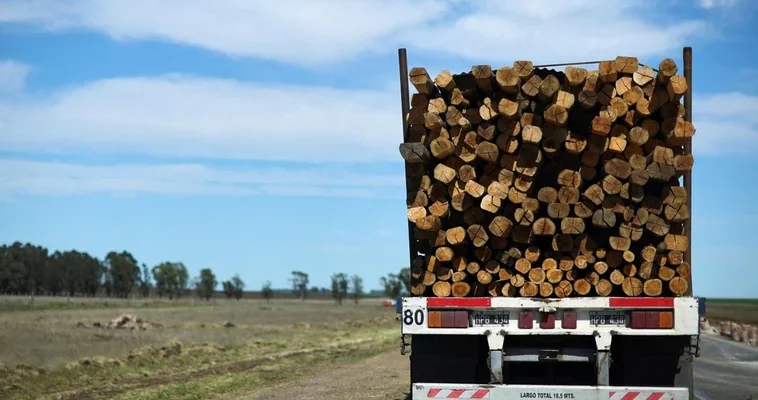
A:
{"x":517,"y":392}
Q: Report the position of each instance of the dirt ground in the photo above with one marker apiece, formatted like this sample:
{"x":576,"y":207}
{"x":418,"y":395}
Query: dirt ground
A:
{"x":384,"y":377}
{"x":51,"y":337}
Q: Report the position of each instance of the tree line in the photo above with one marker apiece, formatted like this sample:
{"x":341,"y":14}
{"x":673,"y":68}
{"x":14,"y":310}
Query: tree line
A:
{"x":26,"y":269}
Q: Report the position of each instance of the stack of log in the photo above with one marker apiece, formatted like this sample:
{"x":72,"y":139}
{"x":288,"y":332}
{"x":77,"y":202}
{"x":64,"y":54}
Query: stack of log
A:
{"x":538,"y":183}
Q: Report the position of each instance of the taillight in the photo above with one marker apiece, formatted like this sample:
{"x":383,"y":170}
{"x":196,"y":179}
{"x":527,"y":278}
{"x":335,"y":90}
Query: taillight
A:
{"x":568,"y":321}
{"x":652,"y":320}
{"x":525,"y":320}
{"x":448,"y":319}
{"x":547,"y":320}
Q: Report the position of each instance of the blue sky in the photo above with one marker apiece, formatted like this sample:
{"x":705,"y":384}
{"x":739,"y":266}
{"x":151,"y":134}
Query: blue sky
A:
{"x":259,"y":138}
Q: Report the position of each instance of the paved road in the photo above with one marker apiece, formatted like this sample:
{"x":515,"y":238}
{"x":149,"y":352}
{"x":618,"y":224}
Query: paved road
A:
{"x":724,"y":371}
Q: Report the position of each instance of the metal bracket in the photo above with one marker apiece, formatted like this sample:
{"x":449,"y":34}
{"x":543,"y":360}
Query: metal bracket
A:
{"x":495,"y":341}
{"x":404,"y":347}
{"x":603,"y":360}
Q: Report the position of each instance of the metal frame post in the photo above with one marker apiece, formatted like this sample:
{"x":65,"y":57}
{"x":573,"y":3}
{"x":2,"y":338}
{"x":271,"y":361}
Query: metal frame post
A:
{"x":406,"y":108}
{"x":687,"y":56}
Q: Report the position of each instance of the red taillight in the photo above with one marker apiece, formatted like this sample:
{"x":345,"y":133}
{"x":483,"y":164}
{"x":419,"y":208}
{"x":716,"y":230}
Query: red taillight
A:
{"x":435,"y":319}
{"x":667,"y":319}
{"x":525,"y":320}
{"x":461,"y":319}
{"x":448,"y":319}
{"x":547,"y":320}
{"x":569,"y":320}
{"x":639,"y":320}
{"x":652,"y":320}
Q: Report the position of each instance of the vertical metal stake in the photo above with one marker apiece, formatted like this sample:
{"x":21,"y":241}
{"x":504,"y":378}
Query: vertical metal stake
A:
{"x":687,"y":56}
{"x":406,"y":107}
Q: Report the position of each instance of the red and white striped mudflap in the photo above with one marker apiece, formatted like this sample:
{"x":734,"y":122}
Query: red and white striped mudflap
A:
{"x":458,"y":394}
{"x":640,"y":396}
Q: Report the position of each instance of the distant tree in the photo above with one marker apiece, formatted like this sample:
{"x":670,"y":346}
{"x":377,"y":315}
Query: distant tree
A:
{"x":299,"y":282}
{"x":339,"y":287}
{"x":405,"y":277}
{"x":266,"y":291}
{"x":145,"y":281}
{"x":206,"y":283}
{"x":171,"y":279}
{"x":314,"y":289}
{"x":182,"y":279}
{"x":239,"y":286}
{"x":393,"y":285}
{"x":123,"y":272}
{"x":357,"y":283}
{"x":228,"y":289}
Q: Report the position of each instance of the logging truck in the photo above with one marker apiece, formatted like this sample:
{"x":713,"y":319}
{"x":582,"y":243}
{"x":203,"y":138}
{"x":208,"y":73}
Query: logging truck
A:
{"x":550,"y":232}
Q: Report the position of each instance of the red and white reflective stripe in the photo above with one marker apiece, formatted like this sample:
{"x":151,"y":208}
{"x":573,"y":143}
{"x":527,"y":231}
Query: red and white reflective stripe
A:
{"x":469,"y":302}
{"x":641,"y":302}
{"x":640,"y":396}
{"x":458,"y":394}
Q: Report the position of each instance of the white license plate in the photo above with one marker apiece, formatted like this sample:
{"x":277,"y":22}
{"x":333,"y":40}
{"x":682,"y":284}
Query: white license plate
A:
{"x":607,"y":318}
{"x":491,"y":318}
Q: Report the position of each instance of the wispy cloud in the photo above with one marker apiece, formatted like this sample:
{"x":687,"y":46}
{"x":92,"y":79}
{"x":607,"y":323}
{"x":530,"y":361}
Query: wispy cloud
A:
{"x":12,"y":75}
{"x":726,"y":123}
{"x":327,"y":31}
{"x":711,"y":4}
{"x":204,"y":117}
{"x":23,"y":177}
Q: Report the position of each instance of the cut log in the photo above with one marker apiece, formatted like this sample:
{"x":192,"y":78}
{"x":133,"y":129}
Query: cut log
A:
{"x":607,"y":72}
{"x":678,"y":286}
{"x":684,"y":270}
{"x":487,"y":151}
{"x":676,"y":87}
{"x":631,"y":286}
{"x":611,"y":185}
{"x":536,"y":275}
{"x":556,"y":115}
{"x":547,"y":195}
{"x":416,"y":213}
{"x":440,"y":209}
{"x":619,"y":243}
{"x":569,"y":178}
{"x":554,"y":275}
{"x":524,"y":69}
{"x":429,"y":223}
{"x":531,"y":134}
{"x":666,"y":70}
{"x":543,"y":227}
{"x":500,"y":226}
{"x":517,"y":280}
{"x":483,"y":277}
{"x":604,"y":218}
{"x":623,"y":85}
{"x":444,"y":254}
{"x":473,"y":267}
{"x":429,"y":278}
{"x":618,"y":168}
{"x":444,"y":174}
{"x":558,"y":210}
{"x":582,"y":287}
{"x":616,"y":277}
{"x":572,"y":225}
{"x":531,"y":87}
{"x":474,"y":189}
{"x":601,"y":126}
{"x":523,"y":265}
{"x":414,"y":153}
{"x":529,"y":289}
{"x":603,"y":287}
{"x":508,"y":108}
{"x":631,"y":97}
{"x":490,"y":203}
{"x":549,"y":263}
{"x":421,"y":81}
{"x":652,"y":287}
{"x":441,"y":289}
{"x":575,"y":75}
{"x":460,"y":289}
{"x":508,"y":80}
{"x":478,"y":235}
{"x":456,"y":236}
{"x":563,"y":289}
{"x":568,"y":195}
{"x":523,"y":217}
{"x":675,"y":242}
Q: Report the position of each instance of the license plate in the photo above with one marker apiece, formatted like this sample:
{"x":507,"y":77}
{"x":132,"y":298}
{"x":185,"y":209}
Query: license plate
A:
{"x":607,"y":318}
{"x":491,"y":318}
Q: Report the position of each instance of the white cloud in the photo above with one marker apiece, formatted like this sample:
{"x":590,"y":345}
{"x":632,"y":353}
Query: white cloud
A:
{"x":12,"y":75}
{"x":711,"y":4}
{"x":726,"y":123}
{"x":200,"y":117}
{"x":327,"y":31}
{"x":24,"y":177}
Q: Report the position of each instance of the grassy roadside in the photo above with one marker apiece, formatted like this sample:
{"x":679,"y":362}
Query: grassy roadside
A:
{"x":206,"y":370}
{"x":737,"y":310}
{"x":25,"y":303}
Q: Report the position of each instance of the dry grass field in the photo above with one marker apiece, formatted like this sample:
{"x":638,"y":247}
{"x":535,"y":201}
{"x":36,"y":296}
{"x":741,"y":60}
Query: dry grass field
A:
{"x":188,"y":349}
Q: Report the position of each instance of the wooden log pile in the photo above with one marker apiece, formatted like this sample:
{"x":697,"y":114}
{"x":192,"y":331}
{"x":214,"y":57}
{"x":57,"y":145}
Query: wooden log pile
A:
{"x":537,"y":183}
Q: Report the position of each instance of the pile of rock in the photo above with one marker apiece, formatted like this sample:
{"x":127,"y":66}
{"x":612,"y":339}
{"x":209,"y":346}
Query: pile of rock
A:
{"x":124,"y":321}
{"x":743,"y":333}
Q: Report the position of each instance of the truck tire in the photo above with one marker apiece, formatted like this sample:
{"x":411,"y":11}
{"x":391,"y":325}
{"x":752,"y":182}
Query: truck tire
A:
{"x":685,"y":374}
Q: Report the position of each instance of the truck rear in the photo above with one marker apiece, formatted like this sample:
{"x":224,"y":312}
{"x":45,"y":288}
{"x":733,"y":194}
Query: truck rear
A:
{"x":498,"y":341}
